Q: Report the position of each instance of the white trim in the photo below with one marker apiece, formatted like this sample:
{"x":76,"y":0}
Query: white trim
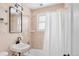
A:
{"x":39,"y":15}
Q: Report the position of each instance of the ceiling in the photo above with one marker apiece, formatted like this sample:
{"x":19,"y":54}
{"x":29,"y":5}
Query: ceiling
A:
{"x":37,"y":5}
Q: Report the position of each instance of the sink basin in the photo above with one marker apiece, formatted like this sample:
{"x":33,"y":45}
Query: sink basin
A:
{"x":21,"y":47}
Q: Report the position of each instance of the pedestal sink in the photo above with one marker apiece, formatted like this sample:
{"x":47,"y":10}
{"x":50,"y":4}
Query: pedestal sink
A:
{"x":19,"y":48}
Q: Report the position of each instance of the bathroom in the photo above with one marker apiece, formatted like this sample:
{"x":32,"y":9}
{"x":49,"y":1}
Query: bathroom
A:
{"x":39,"y":29}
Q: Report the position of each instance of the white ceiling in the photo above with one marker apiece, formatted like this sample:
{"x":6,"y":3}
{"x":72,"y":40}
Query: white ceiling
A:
{"x":37,"y":5}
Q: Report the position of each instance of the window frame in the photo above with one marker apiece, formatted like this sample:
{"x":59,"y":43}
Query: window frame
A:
{"x":38,"y":22}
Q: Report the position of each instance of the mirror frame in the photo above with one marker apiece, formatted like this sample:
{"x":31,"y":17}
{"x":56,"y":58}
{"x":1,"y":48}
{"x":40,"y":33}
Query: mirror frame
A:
{"x":10,"y":21}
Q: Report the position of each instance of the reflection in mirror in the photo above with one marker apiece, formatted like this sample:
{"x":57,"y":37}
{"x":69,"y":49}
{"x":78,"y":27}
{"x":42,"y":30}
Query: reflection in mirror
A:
{"x":15,"y":20}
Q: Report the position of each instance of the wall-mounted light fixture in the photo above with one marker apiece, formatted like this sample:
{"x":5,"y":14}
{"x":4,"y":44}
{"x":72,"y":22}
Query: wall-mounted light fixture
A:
{"x":17,"y":6}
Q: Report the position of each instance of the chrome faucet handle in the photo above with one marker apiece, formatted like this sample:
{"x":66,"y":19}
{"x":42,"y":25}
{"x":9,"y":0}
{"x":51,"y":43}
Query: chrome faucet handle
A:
{"x":18,"y":40}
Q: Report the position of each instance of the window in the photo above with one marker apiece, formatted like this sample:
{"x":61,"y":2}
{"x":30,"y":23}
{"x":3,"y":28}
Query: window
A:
{"x":41,"y":22}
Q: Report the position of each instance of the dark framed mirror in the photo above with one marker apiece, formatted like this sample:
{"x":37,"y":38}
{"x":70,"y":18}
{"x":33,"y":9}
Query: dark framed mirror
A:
{"x":15,"y":20}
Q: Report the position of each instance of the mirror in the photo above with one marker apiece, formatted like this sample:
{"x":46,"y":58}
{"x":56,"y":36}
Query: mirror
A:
{"x":15,"y":20}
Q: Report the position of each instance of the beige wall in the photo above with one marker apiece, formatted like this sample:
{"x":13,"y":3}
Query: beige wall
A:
{"x":37,"y":38}
{"x":6,"y":38}
{"x":27,"y":13}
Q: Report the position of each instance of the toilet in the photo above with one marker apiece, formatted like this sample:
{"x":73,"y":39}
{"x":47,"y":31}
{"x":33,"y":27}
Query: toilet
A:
{"x":4,"y":53}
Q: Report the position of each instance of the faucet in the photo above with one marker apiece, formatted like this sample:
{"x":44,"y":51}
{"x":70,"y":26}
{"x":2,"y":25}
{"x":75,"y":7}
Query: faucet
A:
{"x":18,"y":40}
